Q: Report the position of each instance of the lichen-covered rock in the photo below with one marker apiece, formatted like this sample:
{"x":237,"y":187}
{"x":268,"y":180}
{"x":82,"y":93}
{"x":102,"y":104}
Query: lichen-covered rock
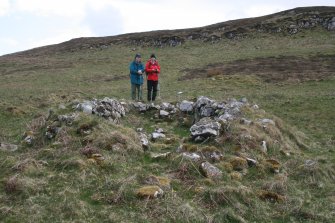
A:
{"x":51,"y":131}
{"x":144,"y":140}
{"x":206,"y":127}
{"x":157,"y":135}
{"x":210,"y":171}
{"x":191,"y":156}
{"x":186,"y":106}
{"x":28,"y":137}
{"x":163,"y":114}
{"x":168,"y":107}
{"x":150,"y":192}
{"x":86,"y":107}
{"x":160,"y":155}
{"x":266,"y":121}
{"x":207,"y":111}
{"x":203,"y":101}
{"x":109,"y":108}
{"x":141,"y":107}
{"x":68,"y":119}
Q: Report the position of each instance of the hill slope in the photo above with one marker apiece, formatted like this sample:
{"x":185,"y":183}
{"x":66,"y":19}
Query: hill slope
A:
{"x":281,"y":62}
{"x":285,"y":23}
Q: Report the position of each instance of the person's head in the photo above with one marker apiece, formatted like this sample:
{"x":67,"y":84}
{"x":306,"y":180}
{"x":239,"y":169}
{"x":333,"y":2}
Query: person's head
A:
{"x":138,"y":57}
{"x":153,"y":58}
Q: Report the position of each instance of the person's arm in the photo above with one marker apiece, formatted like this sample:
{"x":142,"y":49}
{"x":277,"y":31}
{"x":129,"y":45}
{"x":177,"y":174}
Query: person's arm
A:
{"x":158,"y":68}
{"x":133,"y":69}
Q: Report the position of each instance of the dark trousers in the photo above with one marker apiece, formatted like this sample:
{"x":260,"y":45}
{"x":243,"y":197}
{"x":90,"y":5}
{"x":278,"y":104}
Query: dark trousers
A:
{"x":152,"y":90}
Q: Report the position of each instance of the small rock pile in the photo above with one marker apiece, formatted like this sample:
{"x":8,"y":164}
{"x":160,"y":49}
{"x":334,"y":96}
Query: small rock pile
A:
{"x":107,"y":107}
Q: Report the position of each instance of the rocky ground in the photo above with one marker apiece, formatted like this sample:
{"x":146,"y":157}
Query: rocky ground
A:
{"x":214,"y":160}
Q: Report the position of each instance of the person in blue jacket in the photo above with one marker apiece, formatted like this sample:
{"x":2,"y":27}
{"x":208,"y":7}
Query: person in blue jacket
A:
{"x":136,"y":78}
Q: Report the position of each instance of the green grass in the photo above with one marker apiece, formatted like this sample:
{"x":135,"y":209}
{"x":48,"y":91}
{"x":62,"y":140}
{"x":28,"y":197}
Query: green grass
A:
{"x":57,"y":184}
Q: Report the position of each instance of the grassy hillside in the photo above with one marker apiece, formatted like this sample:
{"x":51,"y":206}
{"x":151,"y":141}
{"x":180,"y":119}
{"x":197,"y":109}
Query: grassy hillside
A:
{"x":291,"y":77}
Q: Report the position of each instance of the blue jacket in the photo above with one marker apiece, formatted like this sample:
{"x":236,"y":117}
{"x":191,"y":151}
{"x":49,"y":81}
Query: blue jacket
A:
{"x":136,"y":78}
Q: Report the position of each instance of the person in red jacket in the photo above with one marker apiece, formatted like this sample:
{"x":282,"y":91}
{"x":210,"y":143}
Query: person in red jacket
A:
{"x":152,"y":69}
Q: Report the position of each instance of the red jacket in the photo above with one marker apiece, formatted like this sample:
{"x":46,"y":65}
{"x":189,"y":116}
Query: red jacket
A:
{"x":152,"y":70}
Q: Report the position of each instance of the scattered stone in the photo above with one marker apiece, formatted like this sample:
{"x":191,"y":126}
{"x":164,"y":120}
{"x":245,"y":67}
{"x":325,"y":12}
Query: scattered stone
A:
{"x":266,"y":121}
{"x":310,"y":163}
{"x":255,"y":107}
{"x":144,"y":141}
{"x":28,"y":137}
{"x":205,"y":128}
{"x":159,"y":130}
{"x":160,"y":155}
{"x":263,"y":147}
{"x":186,"y":106}
{"x":245,"y":121}
{"x":226,"y":117}
{"x":168,"y":107}
{"x":51,"y":131}
{"x":251,"y":162}
{"x":191,"y":156}
{"x":285,"y":153}
{"x":68,"y":119}
{"x":150,"y":192}
{"x":157,"y":135}
{"x":233,"y":103}
{"x":8,"y":147}
{"x":86,"y":107}
{"x":244,"y":100}
{"x":139,"y":129}
{"x":152,"y":106}
{"x":210,"y":171}
{"x":163,"y":114}
{"x":141,"y":107}
{"x":216,"y":156}
{"x":199,"y":139}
